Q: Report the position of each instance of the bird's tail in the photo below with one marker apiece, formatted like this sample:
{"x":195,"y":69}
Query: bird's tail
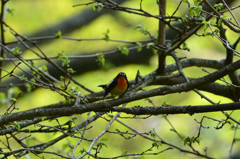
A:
{"x":103,"y":86}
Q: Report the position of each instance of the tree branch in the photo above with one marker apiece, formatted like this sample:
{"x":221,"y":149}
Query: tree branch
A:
{"x":147,"y":110}
{"x":80,"y":108}
{"x":161,"y":37}
{"x":3,"y":8}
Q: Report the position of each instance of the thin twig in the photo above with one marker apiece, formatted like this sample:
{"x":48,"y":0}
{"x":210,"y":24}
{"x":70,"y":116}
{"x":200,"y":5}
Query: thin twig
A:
{"x":101,"y":134}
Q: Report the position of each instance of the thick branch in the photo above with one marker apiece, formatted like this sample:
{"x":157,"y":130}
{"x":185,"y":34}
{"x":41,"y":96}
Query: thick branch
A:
{"x":215,"y":88}
{"x":161,"y":37}
{"x":2,"y":33}
{"x":80,"y":108}
{"x":137,"y":110}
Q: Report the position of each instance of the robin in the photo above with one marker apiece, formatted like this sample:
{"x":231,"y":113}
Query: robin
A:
{"x":118,"y":86}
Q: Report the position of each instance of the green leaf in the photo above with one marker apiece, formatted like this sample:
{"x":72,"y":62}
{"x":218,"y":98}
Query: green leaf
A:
{"x":83,"y":150}
{"x":191,"y":140}
{"x":70,"y":70}
{"x":220,"y":20}
{"x":140,"y":46}
{"x":124,"y":152}
{"x":31,"y":63}
{"x":13,"y":100}
{"x":3,"y":99}
{"x":18,"y":127}
{"x":165,"y":104}
{"x":129,"y":137}
{"x":62,"y":86}
{"x":228,"y":19}
{"x":10,"y":11}
{"x":44,"y":68}
{"x":102,"y":143}
{"x":171,"y":129}
{"x":186,"y":1}
{"x":218,"y":6}
{"x":14,"y":92}
{"x":43,"y":118}
{"x":104,"y":139}
{"x":23,"y":78}
{"x":30,"y":86}
{"x":75,"y":117}
{"x":94,"y":147}
{"x":197,"y":2}
{"x":185,"y":46}
{"x":217,"y":32}
{"x":226,"y":114}
{"x":36,"y":71}
{"x":204,"y":22}
{"x":124,"y":50}
{"x":33,"y":80}
{"x":195,"y":11}
{"x":106,"y":35}
{"x":101,"y":59}
{"x":64,"y":59}
{"x":141,"y":29}
{"x":73,"y":91}
{"x":213,"y":23}
{"x":208,"y":33}
{"x":16,"y":51}
{"x":186,"y":140}
{"x":237,"y":139}
{"x":58,"y":34}
{"x":197,"y":140}
{"x":149,"y":45}
{"x":157,"y":144}
{"x":62,"y":78}
{"x":97,"y":7}
{"x":110,"y":115}
{"x":184,"y":19}
{"x":152,"y":133}
{"x":155,"y":51}
{"x":223,"y":17}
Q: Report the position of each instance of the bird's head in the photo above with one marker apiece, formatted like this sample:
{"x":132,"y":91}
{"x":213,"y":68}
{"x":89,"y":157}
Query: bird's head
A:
{"x":122,"y":74}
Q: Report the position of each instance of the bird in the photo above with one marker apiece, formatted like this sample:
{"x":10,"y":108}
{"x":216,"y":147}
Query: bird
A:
{"x":116,"y":87}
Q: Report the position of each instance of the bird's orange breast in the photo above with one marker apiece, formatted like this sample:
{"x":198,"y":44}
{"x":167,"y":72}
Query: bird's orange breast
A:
{"x":122,"y":83}
{"x":121,"y":87}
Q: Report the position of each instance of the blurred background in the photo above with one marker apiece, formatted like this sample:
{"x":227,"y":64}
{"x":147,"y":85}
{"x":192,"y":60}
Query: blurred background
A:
{"x":45,"y":19}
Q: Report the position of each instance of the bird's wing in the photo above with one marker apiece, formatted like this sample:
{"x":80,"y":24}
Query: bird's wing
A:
{"x":110,"y":86}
